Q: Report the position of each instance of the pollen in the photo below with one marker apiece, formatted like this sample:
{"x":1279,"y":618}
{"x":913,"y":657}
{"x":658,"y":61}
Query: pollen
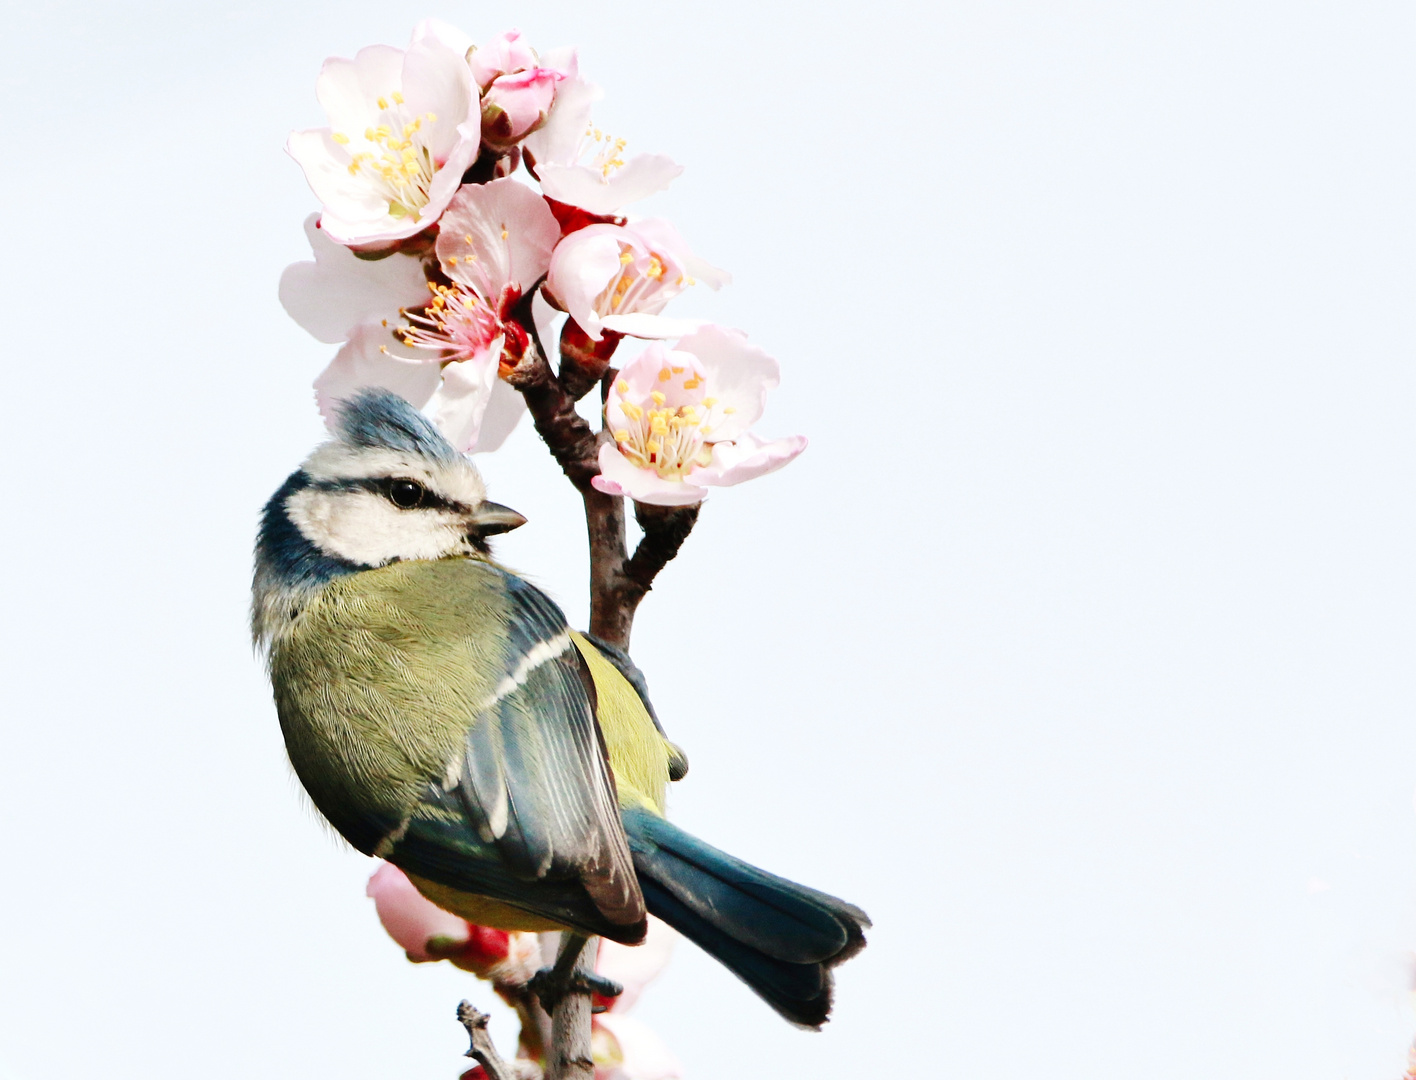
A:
{"x":383,"y":103}
{"x":397,"y":98}
{"x":668,"y":440}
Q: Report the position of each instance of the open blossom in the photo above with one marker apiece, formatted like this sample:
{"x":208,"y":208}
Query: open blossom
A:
{"x":620,"y":277}
{"x":680,"y":420}
{"x":578,"y":164}
{"x":427,"y":932}
{"x":404,"y":127}
{"x":340,"y":297}
{"x":494,"y":242}
{"x":517,"y":88}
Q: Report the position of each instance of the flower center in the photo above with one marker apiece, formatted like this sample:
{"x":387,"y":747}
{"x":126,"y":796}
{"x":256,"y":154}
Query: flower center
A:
{"x":399,"y":164}
{"x":644,"y":290}
{"x":457,"y":321}
{"x":670,"y":440}
{"x":607,"y":151}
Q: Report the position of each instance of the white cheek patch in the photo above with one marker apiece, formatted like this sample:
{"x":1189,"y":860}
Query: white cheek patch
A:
{"x":364,"y":528}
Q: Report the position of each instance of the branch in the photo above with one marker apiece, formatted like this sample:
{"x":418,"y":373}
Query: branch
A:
{"x":617,"y":582}
{"x":570,"y":1056}
{"x":482,"y":1047}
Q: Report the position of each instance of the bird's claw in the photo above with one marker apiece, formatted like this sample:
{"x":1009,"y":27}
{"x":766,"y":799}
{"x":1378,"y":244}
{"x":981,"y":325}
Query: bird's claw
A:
{"x":550,"y":987}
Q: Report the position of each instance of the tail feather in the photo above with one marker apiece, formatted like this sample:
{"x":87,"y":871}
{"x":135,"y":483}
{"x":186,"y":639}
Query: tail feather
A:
{"x":780,"y":938}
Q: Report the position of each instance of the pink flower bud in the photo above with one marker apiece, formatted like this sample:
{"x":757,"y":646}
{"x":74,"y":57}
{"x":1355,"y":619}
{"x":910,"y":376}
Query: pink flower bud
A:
{"x":504,"y":53}
{"x":516,"y":104}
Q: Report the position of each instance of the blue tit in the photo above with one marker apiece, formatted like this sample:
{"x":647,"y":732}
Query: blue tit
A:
{"x":442,"y":715}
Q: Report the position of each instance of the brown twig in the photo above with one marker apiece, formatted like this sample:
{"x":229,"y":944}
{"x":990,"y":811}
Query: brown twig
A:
{"x":618,"y":582}
{"x":482,"y":1048}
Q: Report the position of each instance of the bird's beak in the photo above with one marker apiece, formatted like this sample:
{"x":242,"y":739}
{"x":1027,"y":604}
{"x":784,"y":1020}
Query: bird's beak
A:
{"x":491,"y":518}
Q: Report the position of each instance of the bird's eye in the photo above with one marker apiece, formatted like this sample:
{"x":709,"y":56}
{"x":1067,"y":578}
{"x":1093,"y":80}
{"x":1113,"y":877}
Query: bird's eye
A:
{"x":405,"y":494}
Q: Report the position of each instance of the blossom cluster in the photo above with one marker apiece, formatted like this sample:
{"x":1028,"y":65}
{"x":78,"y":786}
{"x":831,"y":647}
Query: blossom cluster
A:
{"x":623,"y":1046}
{"x":466,"y":197}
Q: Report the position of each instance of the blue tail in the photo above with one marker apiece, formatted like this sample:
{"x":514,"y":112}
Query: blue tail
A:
{"x":780,"y":938}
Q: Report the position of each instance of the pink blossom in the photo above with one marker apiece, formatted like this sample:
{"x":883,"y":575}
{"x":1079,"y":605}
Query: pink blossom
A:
{"x":404,"y":126}
{"x":495,"y":241}
{"x":619,"y":277}
{"x":518,"y":90}
{"x":427,"y":932}
{"x":680,"y":418}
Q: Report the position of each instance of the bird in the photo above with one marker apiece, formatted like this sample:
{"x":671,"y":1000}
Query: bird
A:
{"x":441,"y":714}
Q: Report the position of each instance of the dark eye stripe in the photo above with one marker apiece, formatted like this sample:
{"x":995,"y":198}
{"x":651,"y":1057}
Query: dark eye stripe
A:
{"x":381,"y":485}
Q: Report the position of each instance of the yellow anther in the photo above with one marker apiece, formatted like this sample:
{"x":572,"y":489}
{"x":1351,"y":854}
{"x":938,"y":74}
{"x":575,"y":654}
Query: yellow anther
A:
{"x":340,"y":137}
{"x":677,"y":370}
{"x":664,"y":376}
{"x":622,"y":387}
{"x":383,"y":349}
{"x":467,"y":237}
{"x":383,"y":103}
{"x":397,"y":97}
{"x":694,"y":384}
{"x":408,"y":130}
{"x":382,"y":131}
{"x":505,"y":234}
{"x":653,"y":447}
{"x":621,"y":435}
{"x":656,"y":268}
{"x":659,"y":398}
{"x":691,"y":281}
{"x":431,"y":118}
{"x":452,"y":260}
{"x":626,"y":258}
{"x":728,"y":410}
{"x":369,"y":134}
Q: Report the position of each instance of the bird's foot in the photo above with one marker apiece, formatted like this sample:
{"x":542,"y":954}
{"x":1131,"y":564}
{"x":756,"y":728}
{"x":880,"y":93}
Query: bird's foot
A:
{"x":550,"y":985}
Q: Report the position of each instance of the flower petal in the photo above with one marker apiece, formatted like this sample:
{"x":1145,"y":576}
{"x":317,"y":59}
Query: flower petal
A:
{"x":590,"y":189}
{"x":459,"y":404}
{"x":348,"y":90}
{"x":361,"y":363}
{"x":619,"y":477}
{"x":661,"y":234}
{"x":505,"y":408}
{"x":512,"y":231}
{"x":557,"y":141}
{"x":583,"y":264}
{"x":739,"y":375}
{"x":641,"y":325}
{"x":747,"y":458}
{"x":338,"y":291}
{"x":410,"y":918}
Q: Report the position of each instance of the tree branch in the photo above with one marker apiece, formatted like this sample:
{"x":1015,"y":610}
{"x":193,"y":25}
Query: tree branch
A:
{"x":617,"y":582}
{"x":482,"y":1047}
{"x":570,"y":1056}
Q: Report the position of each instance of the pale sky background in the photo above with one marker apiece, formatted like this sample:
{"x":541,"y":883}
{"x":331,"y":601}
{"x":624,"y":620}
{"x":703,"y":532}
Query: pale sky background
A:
{"x":1077,"y":648}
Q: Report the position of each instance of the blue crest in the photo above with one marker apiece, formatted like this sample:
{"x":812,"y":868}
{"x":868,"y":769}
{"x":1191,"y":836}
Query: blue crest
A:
{"x":379,"y":419}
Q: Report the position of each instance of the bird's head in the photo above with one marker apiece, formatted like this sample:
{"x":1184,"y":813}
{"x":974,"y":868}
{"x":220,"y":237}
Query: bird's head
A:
{"x":386,"y":488}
